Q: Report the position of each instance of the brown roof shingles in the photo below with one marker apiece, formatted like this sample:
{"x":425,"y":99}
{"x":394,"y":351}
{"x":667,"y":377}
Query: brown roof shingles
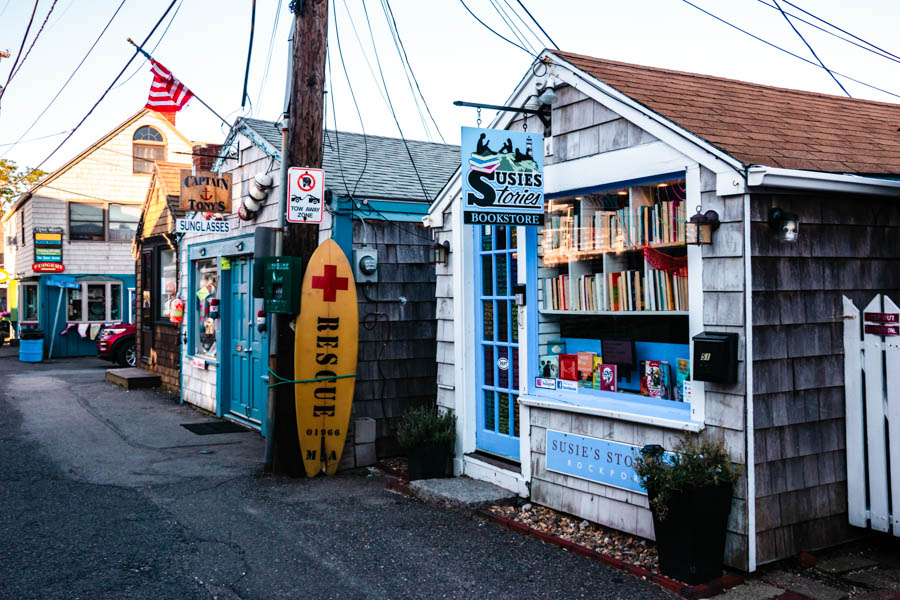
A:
{"x":763,"y":125}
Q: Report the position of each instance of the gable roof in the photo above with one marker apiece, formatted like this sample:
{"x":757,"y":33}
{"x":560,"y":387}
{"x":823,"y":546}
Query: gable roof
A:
{"x":763,"y":125}
{"x":380,"y":164}
{"x":166,"y":176}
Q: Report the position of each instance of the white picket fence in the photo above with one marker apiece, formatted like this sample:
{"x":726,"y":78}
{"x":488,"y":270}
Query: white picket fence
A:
{"x":872,"y":387}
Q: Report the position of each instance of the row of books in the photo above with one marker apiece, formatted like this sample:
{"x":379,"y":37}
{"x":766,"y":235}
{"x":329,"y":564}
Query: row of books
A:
{"x":620,"y":291}
{"x":602,"y":231}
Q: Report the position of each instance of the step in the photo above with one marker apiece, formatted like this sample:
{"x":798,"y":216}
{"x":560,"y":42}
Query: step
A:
{"x":132,"y":378}
{"x":460,"y":493}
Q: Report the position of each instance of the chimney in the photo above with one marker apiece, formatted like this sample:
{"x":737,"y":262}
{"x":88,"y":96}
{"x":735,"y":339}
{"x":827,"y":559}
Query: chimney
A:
{"x":204,"y":155}
{"x":169,"y":116}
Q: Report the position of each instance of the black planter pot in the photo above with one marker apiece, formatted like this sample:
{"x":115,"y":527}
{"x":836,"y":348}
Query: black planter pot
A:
{"x":691,"y":539}
{"x":429,"y":461}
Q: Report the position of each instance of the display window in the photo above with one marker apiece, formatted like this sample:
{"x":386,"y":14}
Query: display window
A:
{"x":206,"y":279}
{"x":168,"y":284}
{"x":94,"y":302}
{"x":29,"y":302}
{"x":613,"y":297}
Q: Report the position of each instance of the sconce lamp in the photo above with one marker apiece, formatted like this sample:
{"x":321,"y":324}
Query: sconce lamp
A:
{"x":440,"y":252}
{"x":548,"y":96}
{"x":519,"y":293}
{"x":698,"y":230}
{"x":785,"y":224}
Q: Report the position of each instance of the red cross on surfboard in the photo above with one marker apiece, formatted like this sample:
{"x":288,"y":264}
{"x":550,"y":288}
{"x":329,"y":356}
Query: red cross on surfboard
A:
{"x":329,"y":283}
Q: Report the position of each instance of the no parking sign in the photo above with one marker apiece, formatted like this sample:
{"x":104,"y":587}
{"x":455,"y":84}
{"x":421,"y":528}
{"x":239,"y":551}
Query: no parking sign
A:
{"x":306,"y":192}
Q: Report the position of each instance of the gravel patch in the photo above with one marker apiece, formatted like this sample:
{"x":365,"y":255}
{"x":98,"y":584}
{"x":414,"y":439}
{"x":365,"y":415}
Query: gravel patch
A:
{"x":623,"y":546}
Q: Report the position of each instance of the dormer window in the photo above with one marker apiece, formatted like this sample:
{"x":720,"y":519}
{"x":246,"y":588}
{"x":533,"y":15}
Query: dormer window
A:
{"x":149,"y":146}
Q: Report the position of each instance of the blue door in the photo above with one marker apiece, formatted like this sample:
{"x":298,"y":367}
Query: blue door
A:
{"x":496,"y":342}
{"x":245,"y":390}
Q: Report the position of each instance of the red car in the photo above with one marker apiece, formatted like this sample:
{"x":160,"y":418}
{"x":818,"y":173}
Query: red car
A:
{"x":117,"y":343}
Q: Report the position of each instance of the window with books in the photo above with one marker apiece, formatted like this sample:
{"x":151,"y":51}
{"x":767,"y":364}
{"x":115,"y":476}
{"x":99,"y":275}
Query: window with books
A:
{"x":613,"y":300}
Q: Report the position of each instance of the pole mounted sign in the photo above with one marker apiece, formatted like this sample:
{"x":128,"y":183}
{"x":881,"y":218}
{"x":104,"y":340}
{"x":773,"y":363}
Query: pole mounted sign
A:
{"x":202,"y":226}
{"x":306,"y":192}
{"x":502,"y":177}
{"x":48,"y":250}
{"x":205,"y":192}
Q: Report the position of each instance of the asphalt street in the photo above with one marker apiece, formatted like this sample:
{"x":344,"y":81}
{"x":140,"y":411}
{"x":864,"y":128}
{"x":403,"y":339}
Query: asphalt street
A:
{"x":104,"y":495}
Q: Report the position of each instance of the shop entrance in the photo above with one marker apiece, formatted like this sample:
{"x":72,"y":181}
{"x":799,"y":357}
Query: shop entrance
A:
{"x":244,"y":393}
{"x":496,"y":342}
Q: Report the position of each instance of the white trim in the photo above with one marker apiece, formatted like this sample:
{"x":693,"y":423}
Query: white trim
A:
{"x":826,"y":182}
{"x":611,"y":414}
{"x":748,"y":377}
{"x":449,"y":193}
{"x":484,"y":471}
{"x":695,"y":292}
{"x":463,"y":331}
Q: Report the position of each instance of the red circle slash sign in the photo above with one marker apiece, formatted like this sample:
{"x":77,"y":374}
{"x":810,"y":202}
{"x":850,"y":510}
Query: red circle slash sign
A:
{"x":308,"y":179}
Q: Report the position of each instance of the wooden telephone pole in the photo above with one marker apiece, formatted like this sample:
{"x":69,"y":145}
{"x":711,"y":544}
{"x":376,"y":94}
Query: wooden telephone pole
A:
{"x":303,"y":149}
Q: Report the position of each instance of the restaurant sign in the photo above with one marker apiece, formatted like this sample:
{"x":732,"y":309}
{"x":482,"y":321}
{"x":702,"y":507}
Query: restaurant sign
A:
{"x":601,"y":461}
{"x":502,"y":177}
{"x":205,"y":191}
{"x":48,"y":250}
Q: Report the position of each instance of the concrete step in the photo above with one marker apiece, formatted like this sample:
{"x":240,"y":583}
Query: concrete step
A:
{"x":460,"y":493}
{"x":132,"y":378}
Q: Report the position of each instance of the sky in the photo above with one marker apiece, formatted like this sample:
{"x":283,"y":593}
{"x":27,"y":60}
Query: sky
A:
{"x":453,"y":57}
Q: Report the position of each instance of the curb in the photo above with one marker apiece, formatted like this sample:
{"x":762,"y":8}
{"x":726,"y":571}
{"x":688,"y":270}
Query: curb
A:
{"x":704,"y":590}
{"x":401,"y":487}
{"x":391,"y":470}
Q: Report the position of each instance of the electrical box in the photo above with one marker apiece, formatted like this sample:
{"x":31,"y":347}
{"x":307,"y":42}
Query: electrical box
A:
{"x":365,"y":264}
{"x":715,"y":357}
{"x":282,"y":282}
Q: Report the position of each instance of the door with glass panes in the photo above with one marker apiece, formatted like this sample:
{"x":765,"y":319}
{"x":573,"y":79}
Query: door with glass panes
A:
{"x":496,"y":341}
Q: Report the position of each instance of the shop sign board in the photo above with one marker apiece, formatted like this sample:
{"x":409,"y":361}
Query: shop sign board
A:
{"x":877,"y":317}
{"x":601,"y":461}
{"x":205,"y":191}
{"x":63,"y":281}
{"x":502,"y":177}
{"x":306,"y":194}
{"x":202,"y":226}
{"x":48,"y":250}
{"x":886,"y":330}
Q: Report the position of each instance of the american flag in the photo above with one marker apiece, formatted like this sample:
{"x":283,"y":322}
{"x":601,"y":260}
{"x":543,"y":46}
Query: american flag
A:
{"x":167,"y":94}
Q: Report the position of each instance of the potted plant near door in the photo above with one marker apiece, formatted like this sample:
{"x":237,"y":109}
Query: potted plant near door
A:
{"x":427,"y":434}
{"x":690,"y":494}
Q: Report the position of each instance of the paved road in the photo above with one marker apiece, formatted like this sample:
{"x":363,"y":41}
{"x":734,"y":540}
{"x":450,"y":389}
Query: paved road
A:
{"x":104,"y":495}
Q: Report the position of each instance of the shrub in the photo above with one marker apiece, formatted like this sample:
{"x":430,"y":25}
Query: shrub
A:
{"x":426,"y":425}
{"x":695,"y":464}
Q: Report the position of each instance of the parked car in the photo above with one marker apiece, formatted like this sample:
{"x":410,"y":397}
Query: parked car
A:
{"x":117,"y":343}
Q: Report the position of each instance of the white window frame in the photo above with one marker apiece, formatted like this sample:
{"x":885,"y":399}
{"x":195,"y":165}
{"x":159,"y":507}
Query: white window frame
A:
{"x":22,"y":287}
{"x":107,"y":295}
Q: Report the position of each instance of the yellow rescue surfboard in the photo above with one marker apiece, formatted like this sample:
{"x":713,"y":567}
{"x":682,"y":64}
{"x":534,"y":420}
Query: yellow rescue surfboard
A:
{"x":326,"y":341}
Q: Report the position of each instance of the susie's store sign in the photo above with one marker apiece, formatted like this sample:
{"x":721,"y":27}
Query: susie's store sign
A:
{"x":502,"y":177}
{"x":609,"y":463}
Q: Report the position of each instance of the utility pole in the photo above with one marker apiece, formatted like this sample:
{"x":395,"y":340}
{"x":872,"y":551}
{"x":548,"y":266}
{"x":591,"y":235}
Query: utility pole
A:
{"x":303,"y":149}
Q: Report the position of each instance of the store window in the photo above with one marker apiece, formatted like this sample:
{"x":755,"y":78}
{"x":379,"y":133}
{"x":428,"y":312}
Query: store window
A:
{"x":29,"y":302}
{"x":94,"y":302}
{"x":167,"y":281}
{"x":148,"y":146}
{"x":123,"y":220}
{"x":613,"y":303}
{"x":206,"y":279}
{"x":86,"y":221}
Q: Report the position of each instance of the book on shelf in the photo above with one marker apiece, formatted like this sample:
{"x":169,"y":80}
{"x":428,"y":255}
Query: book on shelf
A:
{"x":550,"y":366}
{"x":586,"y":369}
{"x":568,"y":367}
{"x":605,"y":376}
{"x":682,"y":375}
{"x":655,"y":379}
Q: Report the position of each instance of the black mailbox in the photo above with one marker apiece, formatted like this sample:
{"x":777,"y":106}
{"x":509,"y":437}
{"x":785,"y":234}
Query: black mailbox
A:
{"x":715,"y":357}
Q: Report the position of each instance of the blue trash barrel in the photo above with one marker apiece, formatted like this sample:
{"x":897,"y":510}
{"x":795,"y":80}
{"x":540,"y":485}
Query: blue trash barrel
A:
{"x":31,"y":345}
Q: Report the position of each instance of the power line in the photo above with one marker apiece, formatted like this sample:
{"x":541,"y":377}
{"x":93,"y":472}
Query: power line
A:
{"x":528,"y":12}
{"x":245,"y":97}
{"x":522,"y":20}
{"x":515,"y":31}
{"x":265,"y":76}
{"x":43,"y":137}
{"x":35,"y":39}
{"x":353,"y":97}
{"x":797,"y":56}
{"x":155,"y":46}
{"x":12,"y":69}
{"x":46,"y":108}
{"x":391,"y":106}
{"x":396,"y":30}
{"x":888,"y":55}
{"x":5,"y":6}
{"x":96,"y":104}
{"x":488,"y":27}
{"x":811,"y":49}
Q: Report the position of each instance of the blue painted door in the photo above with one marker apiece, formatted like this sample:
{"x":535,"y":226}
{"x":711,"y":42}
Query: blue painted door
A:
{"x":496,"y":342}
{"x":245,"y":389}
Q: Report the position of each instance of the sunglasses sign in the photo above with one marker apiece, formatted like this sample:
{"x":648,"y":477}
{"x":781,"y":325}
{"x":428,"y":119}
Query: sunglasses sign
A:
{"x":502,"y":177}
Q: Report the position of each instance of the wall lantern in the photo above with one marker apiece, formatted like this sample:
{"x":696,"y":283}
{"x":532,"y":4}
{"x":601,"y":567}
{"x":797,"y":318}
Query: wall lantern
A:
{"x":519,"y":293}
{"x":785,"y":224}
{"x":699,"y":228}
{"x":440,"y":252}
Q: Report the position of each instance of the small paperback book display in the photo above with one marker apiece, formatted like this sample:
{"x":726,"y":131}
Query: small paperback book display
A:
{"x":613,"y":293}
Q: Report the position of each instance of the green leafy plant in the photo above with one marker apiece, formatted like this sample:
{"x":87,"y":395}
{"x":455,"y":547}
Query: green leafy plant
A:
{"x":426,"y":425}
{"x":696,"y":463}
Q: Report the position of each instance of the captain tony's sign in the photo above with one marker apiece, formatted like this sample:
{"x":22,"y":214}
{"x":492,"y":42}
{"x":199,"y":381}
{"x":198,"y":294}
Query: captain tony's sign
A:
{"x":502,"y":177}
{"x":205,"y":191}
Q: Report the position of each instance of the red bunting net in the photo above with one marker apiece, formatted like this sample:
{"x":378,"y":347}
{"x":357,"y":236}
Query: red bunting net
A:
{"x":663,"y":262}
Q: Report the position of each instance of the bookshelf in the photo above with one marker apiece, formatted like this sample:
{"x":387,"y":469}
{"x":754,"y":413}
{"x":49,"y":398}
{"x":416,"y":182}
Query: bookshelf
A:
{"x":611,"y":253}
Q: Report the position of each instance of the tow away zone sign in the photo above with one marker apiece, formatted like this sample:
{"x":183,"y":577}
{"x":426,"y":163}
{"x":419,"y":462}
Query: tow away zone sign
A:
{"x":306,"y":192}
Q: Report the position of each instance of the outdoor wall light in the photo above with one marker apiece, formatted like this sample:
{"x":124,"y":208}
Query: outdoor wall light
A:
{"x":785,"y":224}
{"x":239,"y":246}
{"x":548,"y":96}
{"x":519,"y":293}
{"x":699,"y":228}
{"x":440,"y":252}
